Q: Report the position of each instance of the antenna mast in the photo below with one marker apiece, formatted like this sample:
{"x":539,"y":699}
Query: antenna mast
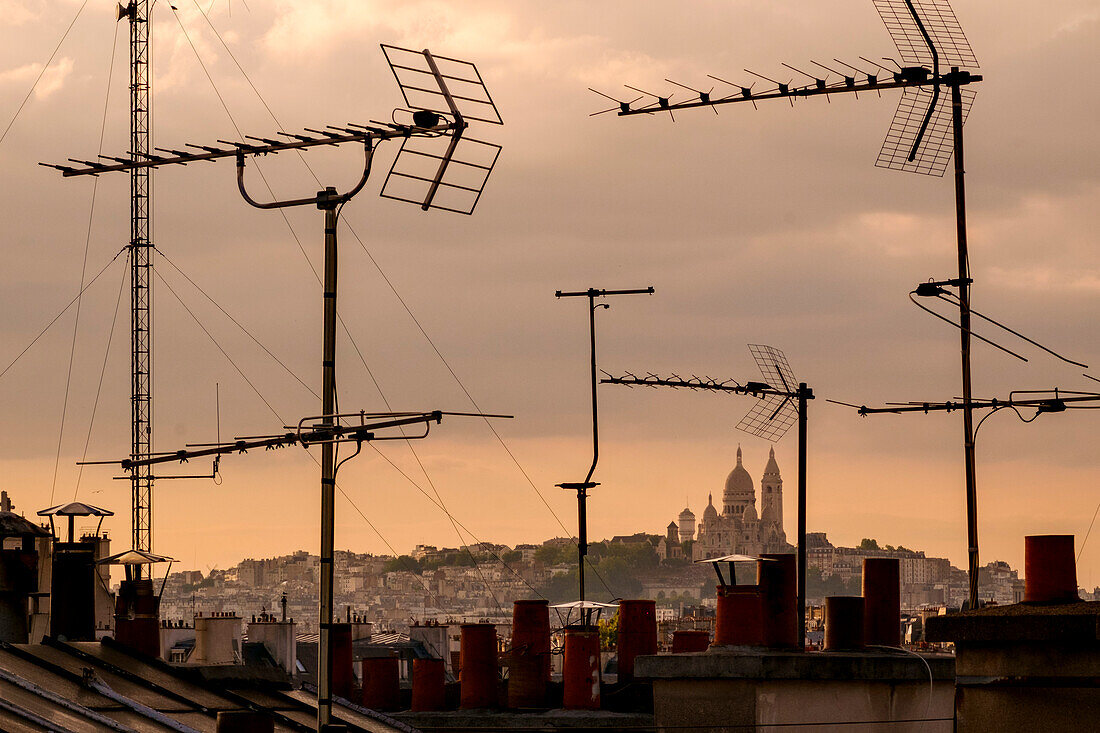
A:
{"x":141,"y":296}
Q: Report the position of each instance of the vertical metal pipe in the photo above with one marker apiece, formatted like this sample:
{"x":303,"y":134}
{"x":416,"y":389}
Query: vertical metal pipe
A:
{"x":964,"y":330}
{"x":803,"y":393}
{"x":582,"y":493}
{"x":326,"y":200}
{"x":595,"y":407}
{"x":582,"y":544}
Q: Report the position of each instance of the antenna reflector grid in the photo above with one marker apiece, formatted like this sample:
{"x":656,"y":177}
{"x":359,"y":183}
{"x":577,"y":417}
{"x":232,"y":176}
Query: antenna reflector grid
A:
{"x":421,"y":88}
{"x":413,"y":175}
{"x":941,"y":24}
{"x":937,"y":145}
{"x":773,"y":416}
{"x":770,"y":418}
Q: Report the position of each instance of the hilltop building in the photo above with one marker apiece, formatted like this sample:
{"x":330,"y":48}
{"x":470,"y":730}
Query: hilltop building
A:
{"x":739,"y":528}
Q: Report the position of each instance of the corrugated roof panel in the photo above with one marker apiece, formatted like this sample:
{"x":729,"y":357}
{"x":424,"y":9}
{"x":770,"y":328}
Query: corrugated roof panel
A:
{"x":133,"y":690}
{"x":151,"y":672}
{"x":38,"y":705}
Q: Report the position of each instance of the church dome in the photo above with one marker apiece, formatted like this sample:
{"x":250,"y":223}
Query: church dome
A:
{"x":750,"y":513}
{"x":739,"y":485}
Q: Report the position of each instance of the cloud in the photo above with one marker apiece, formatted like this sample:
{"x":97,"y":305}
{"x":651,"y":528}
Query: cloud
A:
{"x":54,"y":78}
{"x":20,"y":74}
{"x":52,"y":81}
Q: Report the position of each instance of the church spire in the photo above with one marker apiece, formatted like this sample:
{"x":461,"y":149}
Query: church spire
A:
{"x":772,"y":468}
{"x":738,"y":454}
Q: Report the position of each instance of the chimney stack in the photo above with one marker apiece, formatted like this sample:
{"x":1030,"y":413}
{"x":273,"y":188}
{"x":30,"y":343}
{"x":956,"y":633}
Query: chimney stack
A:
{"x":581,"y":669}
{"x":637,"y":634}
{"x":1050,"y":569}
{"x":882,"y":601}
{"x":843,"y":623}
{"x":478,"y":675}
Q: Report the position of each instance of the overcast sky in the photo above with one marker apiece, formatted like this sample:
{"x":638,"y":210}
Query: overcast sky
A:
{"x":754,"y":226}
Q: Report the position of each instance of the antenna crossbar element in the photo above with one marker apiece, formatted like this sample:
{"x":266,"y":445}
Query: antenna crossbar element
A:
{"x":214,"y":153}
{"x":1053,"y":399}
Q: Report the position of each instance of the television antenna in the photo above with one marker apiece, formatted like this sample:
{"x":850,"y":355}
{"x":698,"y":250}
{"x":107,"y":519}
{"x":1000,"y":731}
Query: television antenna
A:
{"x":437,"y":167}
{"x":924,"y":135}
{"x":782,"y":403}
{"x":582,"y":487}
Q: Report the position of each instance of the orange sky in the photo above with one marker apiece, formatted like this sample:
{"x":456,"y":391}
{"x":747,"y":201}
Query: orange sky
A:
{"x":769,"y":226}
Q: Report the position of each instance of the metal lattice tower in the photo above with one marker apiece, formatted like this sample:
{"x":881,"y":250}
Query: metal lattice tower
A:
{"x":141,"y":296}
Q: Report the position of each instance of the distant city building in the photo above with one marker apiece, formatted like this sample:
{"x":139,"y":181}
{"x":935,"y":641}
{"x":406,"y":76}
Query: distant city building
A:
{"x":739,"y":529}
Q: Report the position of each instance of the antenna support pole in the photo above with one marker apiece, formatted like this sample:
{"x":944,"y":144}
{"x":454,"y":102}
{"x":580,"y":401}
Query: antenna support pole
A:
{"x":964,"y":330}
{"x":327,"y":202}
{"x":804,"y":394}
{"x":582,"y":487}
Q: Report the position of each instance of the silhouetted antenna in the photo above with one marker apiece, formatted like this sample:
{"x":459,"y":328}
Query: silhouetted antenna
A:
{"x":783,"y":401}
{"x":451,"y":168}
{"x":1047,"y":401}
{"x":937,"y":289}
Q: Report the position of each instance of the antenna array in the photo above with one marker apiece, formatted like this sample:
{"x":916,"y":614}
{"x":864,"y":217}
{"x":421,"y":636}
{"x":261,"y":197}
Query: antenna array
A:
{"x":925,"y":134}
{"x":438,"y":120}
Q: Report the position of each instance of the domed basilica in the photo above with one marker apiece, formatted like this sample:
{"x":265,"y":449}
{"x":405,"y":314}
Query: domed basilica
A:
{"x":739,"y":529}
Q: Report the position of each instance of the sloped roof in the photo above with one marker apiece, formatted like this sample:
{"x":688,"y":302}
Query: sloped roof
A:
{"x":82,"y":686}
{"x":13,"y":525}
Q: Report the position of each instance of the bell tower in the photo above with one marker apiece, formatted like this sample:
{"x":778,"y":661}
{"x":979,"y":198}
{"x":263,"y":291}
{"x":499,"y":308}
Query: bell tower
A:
{"x":771,"y":491}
